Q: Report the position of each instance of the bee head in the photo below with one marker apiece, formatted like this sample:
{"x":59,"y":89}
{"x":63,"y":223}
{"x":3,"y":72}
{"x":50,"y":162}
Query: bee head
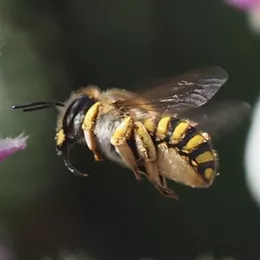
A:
{"x":70,"y":120}
{"x":69,"y":129}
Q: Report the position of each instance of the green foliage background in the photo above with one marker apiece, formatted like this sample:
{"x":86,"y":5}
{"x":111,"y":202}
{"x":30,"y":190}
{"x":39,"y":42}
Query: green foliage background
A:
{"x":50,"y":48}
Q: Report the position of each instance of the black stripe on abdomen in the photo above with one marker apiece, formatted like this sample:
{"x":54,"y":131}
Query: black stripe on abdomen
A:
{"x":171,"y":127}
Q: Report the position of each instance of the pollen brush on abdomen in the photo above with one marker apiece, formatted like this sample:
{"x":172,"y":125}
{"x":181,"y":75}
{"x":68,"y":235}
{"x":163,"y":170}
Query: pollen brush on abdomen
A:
{"x":193,"y":145}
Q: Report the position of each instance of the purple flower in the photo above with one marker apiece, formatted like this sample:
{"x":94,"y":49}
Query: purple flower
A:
{"x":244,"y":5}
{"x":251,"y":8}
{"x":9,"y":146}
{"x":6,"y":253}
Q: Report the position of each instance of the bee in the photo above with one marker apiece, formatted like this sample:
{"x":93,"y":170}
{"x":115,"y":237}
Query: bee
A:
{"x":163,"y":133}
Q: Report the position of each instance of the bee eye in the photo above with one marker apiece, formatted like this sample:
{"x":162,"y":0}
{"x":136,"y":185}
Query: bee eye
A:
{"x":77,"y":107}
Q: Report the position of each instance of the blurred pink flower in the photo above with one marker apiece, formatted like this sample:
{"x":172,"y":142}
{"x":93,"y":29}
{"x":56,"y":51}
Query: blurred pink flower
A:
{"x":6,"y":253}
{"x":251,"y":8}
{"x":9,"y":146}
{"x":244,"y":4}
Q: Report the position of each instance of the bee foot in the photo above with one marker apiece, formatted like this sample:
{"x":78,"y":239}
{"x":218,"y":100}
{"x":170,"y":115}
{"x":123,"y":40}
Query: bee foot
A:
{"x":138,"y":178}
{"x":167,"y":192}
{"x":98,"y":158}
{"x":137,"y":174}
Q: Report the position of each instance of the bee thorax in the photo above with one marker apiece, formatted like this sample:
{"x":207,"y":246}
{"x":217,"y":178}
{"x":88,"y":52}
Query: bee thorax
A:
{"x":105,"y":126}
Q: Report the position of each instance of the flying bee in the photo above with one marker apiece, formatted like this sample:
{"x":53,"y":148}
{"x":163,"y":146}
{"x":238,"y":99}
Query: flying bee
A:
{"x":163,"y":133}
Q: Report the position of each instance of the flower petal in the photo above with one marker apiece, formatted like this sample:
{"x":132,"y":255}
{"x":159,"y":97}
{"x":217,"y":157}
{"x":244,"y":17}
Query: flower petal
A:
{"x":9,"y":146}
{"x":243,"y":4}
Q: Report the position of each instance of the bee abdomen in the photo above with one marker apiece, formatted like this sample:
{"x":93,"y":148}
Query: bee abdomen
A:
{"x":191,"y":143}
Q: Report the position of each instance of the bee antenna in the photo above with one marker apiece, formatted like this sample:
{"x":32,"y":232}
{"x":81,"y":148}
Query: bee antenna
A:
{"x":38,"y":105}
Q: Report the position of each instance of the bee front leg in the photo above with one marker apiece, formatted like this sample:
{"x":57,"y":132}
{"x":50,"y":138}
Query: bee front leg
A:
{"x":88,"y":126}
{"x":147,"y":151}
{"x":119,"y":140}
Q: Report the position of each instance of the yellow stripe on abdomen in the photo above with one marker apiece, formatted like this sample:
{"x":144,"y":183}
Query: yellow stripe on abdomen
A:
{"x":162,"y":128}
{"x":194,"y":142}
{"x":179,"y":131}
{"x":209,"y":172}
{"x":205,"y":157}
{"x":149,"y":124}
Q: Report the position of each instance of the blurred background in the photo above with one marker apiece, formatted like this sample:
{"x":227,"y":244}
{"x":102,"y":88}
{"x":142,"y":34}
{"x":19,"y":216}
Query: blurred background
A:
{"x":49,"y":48}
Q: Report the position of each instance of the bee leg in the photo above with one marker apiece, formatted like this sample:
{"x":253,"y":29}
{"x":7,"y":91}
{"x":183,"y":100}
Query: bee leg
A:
{"x":87,"y":127}
{"x":164,"y":190}
{"x":163,"y":181}
{"x":119,"y":139}
{"x":147,"y":151}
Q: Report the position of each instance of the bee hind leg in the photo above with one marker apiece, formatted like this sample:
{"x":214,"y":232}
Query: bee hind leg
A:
{"x":147,"y":151}
{"x":88,"y":126}
{"x":164,"y":190}
{"x":119,"y":140}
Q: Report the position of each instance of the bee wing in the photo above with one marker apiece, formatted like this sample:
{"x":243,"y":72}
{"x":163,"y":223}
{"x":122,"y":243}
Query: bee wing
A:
{"x":219,"y":118}
{"x":204,"y":81}
{"x":186,"y":91}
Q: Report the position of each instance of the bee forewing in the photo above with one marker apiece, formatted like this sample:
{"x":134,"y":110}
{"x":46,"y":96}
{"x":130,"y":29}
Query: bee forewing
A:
{"x":201,"y":84}
{"x":181,"y":93}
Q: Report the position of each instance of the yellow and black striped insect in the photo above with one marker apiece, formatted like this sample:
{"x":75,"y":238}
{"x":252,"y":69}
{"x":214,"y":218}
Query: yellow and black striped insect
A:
{"x":162,"y":133}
